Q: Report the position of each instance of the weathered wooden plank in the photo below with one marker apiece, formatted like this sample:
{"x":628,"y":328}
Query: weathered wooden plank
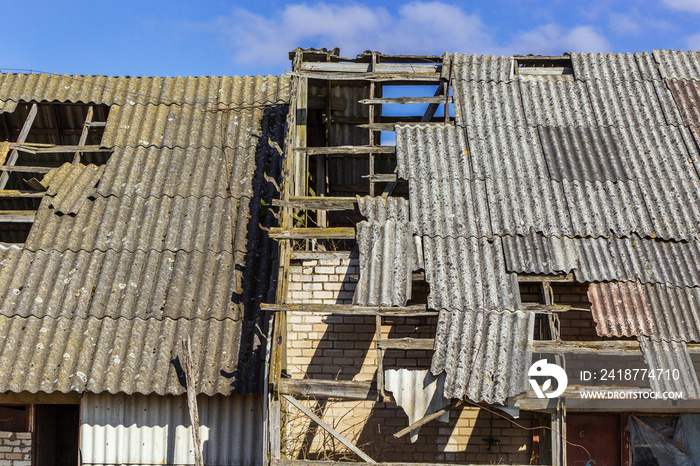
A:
{"x":347,"y":150}
{"x":17,"y":216}
{"x":421,"y":422}
{"x":392,"y":126}
{"x":406,"y":343}
{"x":408,"y":100}
{"x":351,"y":309}
{"x":24,"y":169}
{"x":14,"y":154}
{"x":545,"y":70}
{"x":318,"y":203}
{"x":310,"y":233}
{"x":394,"y":78}
{"x":51,"y":149}
{"x":341,"y":389}
{"x":329,"y":429}
{"x":367,"y":69}
{"x":287,"y":462}
{"x":382,"y":177}
{"x":192,"y":400}
{"x":546,"y":278}
{"x":17,"y":193}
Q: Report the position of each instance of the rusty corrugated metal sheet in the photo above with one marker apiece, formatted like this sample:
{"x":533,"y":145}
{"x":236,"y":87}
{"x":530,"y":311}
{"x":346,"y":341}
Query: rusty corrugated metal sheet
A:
{"x":146,"y":285}
{"x":485,"y":355}
{"x":678,"y":64}
{"x":432,"y":151}
{"x":114,"y":355}
{"x":671,"y":365}
{"x":632,"y":103}
{"x":634,"y":309}
{"x":556,"y":101}
{"x":70,"y":185}
{"x":206,"y":90}
{"x":386,"y":263}
{"x":482,"y":67}
{"x":149,"y":430}
{"x":615,"y":67}
{"x":468,"y":273}
{"x":584,"y":153}
{"x":145,"y":224}
{"x":687,"y":97}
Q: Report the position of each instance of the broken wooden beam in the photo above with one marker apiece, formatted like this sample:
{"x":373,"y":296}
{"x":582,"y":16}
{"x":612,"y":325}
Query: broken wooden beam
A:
{"x":343,"y":150}
{"x":317,"y":203}
{"x":408,"y":100}
{"x":406,"y":343}
{"x":421,"y":422}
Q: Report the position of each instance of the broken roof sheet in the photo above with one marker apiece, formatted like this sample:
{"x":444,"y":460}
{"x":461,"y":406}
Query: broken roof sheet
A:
{"x":666,"y":359}
{"x":485,"y":355}
{"x":678,"y":64}
{"x":432,"y":151}
{"x":206,"y":90}
{"x":482,"y":67}
{"x":169,"y":242}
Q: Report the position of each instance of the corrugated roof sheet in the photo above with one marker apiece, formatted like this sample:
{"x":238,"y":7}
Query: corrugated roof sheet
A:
{"x":487,"y":104}
{"x":386,"y":263}
{"x":647,"y":66}
{"x":145,"y":224}
{"x":482,"y":67}
{"x":687,"y":97}
{"x":556,"y":101}
{"x":381,"y":209}
{"x":632,"y":103}
{"x":539,"y":254}
{"x":634,"y":309}
{"x":70,"y":185}
{"x":671,"y":365}
{"x":114,"y":355}
{"x":673,"y":207}
{"x":584,"y":153}
{"x":432,"y":152}
{"x":615,"y":67}
{"x":205,"y":90}
{"x":148,"y":285}
{"x":468,"y":273}
{"x":485,"y":355}
{"x":169,"y":244}
{"x":678,"y":64}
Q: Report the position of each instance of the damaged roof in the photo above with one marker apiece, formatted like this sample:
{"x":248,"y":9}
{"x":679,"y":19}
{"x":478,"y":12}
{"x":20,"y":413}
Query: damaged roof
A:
{"x":593,"y":173}
{"x":162,"y":242}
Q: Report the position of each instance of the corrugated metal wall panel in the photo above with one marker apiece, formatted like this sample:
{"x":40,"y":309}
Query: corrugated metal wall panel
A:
{"x":482,"y":67}
{"x":670,"y":363}
{"x":150,"y":430}
{"x":485,"y":355}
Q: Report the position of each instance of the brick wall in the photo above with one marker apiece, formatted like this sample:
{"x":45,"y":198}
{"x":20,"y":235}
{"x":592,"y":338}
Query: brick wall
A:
{"x":335,"y":347}
{"x":15,"y":448}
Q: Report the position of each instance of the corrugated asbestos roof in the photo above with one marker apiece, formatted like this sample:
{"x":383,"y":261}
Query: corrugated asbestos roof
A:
{"x":687,"y":97}
{"x":482,"y":67}
{"x":678,"y":65}
{"x":386,"y":263}
{"x":670,"y":363}
{"x":206,"y":90}
{"x":485,"y":355}
{"x":163,"y":242}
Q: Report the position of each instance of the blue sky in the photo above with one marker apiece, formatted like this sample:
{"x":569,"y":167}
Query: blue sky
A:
{"x":142,"y":38}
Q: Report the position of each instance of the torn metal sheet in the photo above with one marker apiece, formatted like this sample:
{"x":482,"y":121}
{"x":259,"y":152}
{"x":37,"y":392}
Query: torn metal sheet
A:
{"x":482,"y":67}
{"x":484,"y":355}
{"x":670,"y":363}
{"x":555,"y":101}
{"x":114,"y":355}
{"x":386,"y":263}
{"x":432,"y":152}
{"x":626,"y":309}
{"x":419,"y":394}
{"x":468,"y":273}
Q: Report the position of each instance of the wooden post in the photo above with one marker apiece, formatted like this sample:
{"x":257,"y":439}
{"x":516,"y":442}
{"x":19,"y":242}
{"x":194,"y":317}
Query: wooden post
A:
{"x":559,"y":434}
{"x":192,"y":401}
{"x":12,"y":159}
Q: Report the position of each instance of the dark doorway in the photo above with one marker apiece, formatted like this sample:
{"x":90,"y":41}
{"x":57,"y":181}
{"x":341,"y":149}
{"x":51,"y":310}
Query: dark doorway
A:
{"x":56,"y":435}
{"x":600,"y":435}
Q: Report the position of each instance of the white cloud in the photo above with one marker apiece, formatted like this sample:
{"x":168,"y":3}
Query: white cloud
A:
{"x":419,"y":27}
{"x":552,"y":39}
{"x":692,"y":6}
